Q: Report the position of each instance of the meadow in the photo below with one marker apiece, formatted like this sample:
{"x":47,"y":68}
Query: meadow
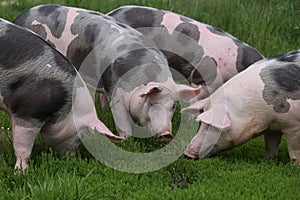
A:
{"x":270,"y":26}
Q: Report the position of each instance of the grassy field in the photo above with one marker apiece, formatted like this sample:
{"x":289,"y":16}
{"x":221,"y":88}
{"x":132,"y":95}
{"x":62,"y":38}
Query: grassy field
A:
{"x":272,"y":27}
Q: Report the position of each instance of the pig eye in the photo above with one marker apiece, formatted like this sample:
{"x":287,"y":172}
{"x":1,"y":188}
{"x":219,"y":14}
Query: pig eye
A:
{"x":151,"y":104}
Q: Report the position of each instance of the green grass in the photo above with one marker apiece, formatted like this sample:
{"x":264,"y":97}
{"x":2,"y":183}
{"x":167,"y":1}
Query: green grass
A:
{"x":271,"y":26}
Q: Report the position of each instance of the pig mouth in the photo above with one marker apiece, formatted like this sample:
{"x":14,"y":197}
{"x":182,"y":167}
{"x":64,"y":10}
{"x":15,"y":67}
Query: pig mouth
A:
{"x":166,"y":136}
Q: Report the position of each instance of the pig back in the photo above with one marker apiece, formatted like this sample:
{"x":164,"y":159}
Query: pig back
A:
{"x":189,"y":44}
{"x":100,"y":45}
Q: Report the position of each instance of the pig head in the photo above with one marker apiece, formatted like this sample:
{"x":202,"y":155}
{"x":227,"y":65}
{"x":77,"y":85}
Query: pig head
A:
{"x":152,"y":105}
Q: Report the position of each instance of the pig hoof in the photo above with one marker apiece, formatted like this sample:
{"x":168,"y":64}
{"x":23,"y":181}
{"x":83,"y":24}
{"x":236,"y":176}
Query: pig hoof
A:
{"x":165,"y":137}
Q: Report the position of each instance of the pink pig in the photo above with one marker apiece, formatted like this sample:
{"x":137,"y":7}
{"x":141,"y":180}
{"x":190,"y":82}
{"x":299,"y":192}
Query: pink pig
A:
{"x":262,"y":100}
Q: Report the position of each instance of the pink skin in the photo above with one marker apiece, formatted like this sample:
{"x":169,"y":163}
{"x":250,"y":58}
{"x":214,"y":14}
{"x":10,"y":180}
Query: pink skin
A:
{"x":152,"y":105}
{"x":225,"y":58}
{"x":171,"y":21}
{"x":67,"y":37}
{"x":236,"y":113}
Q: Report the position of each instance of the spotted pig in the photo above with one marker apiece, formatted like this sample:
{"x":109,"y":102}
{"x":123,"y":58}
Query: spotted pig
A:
{"x":205,"y":55}
{"x":135,"y":74}
{"x":264,"y":100}
{"x":36,"y":90}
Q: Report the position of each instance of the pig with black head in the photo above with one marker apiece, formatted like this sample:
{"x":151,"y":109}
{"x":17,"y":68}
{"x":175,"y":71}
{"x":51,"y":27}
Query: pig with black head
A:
{"x":262,"y":100}
{"x":135,"y":74}
{"x":41,"y":91}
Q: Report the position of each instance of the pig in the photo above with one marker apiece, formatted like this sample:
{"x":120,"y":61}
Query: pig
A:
{"x":264,"y":100}
{"x":203,"y":54}
{"x":113,"y":50}
{"x":36,"y":90}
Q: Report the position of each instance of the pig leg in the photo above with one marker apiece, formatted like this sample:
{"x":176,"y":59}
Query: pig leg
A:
{"x":122,"y":120}
{"x":272,"y":141}
{"x":193,"y":149}
{"x":292,"y":141}
{"x":24,"y":135}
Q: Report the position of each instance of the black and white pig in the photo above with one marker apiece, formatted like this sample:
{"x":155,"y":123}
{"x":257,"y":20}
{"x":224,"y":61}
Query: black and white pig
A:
{"x":203,"y":54}
{"x":135,"y":74}
{"x":264,"y":100}
{"x":36,"y":90}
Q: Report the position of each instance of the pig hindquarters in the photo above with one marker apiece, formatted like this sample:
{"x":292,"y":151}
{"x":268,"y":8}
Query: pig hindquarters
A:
{"x":36,"y":87}
{"x":135,"y":75}
{"x":263,"y":99}
{"x":205,"y":55}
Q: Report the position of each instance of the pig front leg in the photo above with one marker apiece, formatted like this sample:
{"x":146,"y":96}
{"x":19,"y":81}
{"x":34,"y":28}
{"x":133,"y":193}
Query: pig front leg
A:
{"x":122,"y":119}
{"x":24,"y":135}
{"x":293,"y":141}
{"x":272,"y":141}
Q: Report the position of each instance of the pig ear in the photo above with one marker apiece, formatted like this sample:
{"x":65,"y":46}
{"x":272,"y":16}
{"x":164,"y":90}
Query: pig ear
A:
{"x":217,"y":119}
{"x":194,"y":108}
{"x":151,"y":89}
{"x":186,"y":92}
{"x":182,"y":91}
{"x":102,"y":129}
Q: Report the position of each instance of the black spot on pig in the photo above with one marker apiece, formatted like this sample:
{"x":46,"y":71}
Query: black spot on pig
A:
{"x":206,"y":71}
{"x":58,"y":23}
{"x":29,"y":98}
{"x":178,"y":63}
{"x":135,"y":59}
{"x":49,"y":9}
{"x":142,"y":17}
{"x":85,"y":41}
{"x":287,"y":78}
{"x":189,"y":30}
{"x":91,"y":33}
{"x":246,"y":56}
{"x":281,"y":83}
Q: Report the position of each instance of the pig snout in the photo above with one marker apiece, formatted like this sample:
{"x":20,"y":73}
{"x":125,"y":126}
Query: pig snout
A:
{"x":161,"y":123}
{"x":166,"y":136}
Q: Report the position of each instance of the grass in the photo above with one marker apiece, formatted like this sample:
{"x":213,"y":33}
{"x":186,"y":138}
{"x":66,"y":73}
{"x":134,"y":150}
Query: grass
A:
{"x":270,"y":26}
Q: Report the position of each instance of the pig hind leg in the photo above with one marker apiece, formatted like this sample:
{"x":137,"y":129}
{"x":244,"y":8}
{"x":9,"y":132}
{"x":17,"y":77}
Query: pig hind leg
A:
{"x":293,"y":141}
{"x":24,"y":135}
{"x":272,"y":142}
